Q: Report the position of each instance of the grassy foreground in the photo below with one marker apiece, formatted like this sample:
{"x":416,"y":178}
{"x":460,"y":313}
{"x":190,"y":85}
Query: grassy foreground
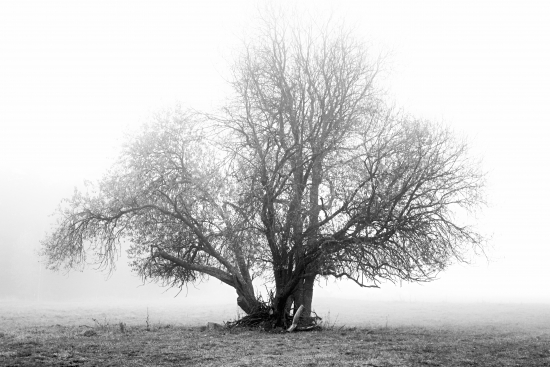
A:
{"x":164,"y":345}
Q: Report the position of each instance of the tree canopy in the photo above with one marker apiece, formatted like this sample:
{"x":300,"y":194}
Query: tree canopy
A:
{"x":305,"y":173}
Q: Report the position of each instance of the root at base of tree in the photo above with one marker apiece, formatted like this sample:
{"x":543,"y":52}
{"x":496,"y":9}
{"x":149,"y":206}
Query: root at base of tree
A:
{"x":264,"y":319}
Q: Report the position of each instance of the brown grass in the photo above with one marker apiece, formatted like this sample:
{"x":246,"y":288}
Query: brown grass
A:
{"x":107,"y":344}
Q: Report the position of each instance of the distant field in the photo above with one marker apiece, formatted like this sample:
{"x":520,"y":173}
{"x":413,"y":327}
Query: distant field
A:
{"x":506,"y":316}
{"x":13,"y":314}
{"x":356,"y":334}
{"x":183,"y":312}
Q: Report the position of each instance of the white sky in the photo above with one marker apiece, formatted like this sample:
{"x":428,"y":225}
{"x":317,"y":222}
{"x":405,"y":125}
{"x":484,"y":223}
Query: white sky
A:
{"x":75,"y":75}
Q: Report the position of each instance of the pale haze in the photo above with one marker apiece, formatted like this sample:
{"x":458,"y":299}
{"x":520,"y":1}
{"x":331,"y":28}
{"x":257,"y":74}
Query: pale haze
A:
{"x":76,"y":77}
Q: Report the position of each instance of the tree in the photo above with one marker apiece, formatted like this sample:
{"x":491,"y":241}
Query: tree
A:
{"x":305,"y":174}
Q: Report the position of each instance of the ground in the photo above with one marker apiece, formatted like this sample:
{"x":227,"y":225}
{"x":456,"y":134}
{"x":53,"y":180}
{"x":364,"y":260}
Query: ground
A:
{"x":163,"y":345}
{"x":360,"y":334}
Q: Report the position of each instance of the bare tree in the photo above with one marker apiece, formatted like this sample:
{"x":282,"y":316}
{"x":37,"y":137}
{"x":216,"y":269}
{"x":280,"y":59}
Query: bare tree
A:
{"x":166,"y":198}
{"x":306,"y":174}
{"x":344,"y":186}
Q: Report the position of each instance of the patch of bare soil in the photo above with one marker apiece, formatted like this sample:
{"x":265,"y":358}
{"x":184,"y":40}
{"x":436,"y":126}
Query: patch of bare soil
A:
{"x":120,"y":345}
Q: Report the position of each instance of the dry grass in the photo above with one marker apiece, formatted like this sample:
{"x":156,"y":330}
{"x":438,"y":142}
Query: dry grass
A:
{"x":139,"y":335}
{"x":117,"y":344}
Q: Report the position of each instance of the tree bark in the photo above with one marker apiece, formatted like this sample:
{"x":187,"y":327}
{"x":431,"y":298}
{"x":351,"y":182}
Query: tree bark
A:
{"x":296,"y":319}
{"x":279,"y":306}
{"x":298,"y":295}
{"x":303,"y":295}
{"x":289,"y":303}
{"x":307,"y":295}
{"x":246,"y":303}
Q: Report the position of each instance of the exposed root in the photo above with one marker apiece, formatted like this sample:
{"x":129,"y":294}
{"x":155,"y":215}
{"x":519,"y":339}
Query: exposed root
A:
{"x":255,"y":319}
{"x":265,"y":319}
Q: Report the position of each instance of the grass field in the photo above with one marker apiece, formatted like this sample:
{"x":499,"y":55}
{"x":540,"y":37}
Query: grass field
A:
{"x":125,"y":335}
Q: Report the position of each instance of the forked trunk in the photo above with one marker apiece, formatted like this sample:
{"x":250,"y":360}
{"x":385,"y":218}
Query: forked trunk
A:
{"x":301,"y":296}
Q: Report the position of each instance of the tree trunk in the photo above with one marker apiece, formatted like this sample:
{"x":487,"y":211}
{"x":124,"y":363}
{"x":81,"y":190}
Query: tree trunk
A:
{"x":307,"y":295}
{"x":298,"y":295}
{"x":280,"y":306}
{"x":283,"y":300}
{"x":248,"y":303}
{"x":289,"y":303}
{"x":303,"y":295}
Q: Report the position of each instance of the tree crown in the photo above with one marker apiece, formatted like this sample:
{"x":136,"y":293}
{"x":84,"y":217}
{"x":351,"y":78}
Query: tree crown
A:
{"x":306,"y":172}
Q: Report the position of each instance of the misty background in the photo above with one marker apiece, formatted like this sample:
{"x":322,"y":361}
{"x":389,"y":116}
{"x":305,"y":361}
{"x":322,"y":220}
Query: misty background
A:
{"x":76,"y":77}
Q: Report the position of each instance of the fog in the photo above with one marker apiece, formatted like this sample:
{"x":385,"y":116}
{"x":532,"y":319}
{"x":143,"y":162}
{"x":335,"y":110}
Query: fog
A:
{"x":75,"y":78}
